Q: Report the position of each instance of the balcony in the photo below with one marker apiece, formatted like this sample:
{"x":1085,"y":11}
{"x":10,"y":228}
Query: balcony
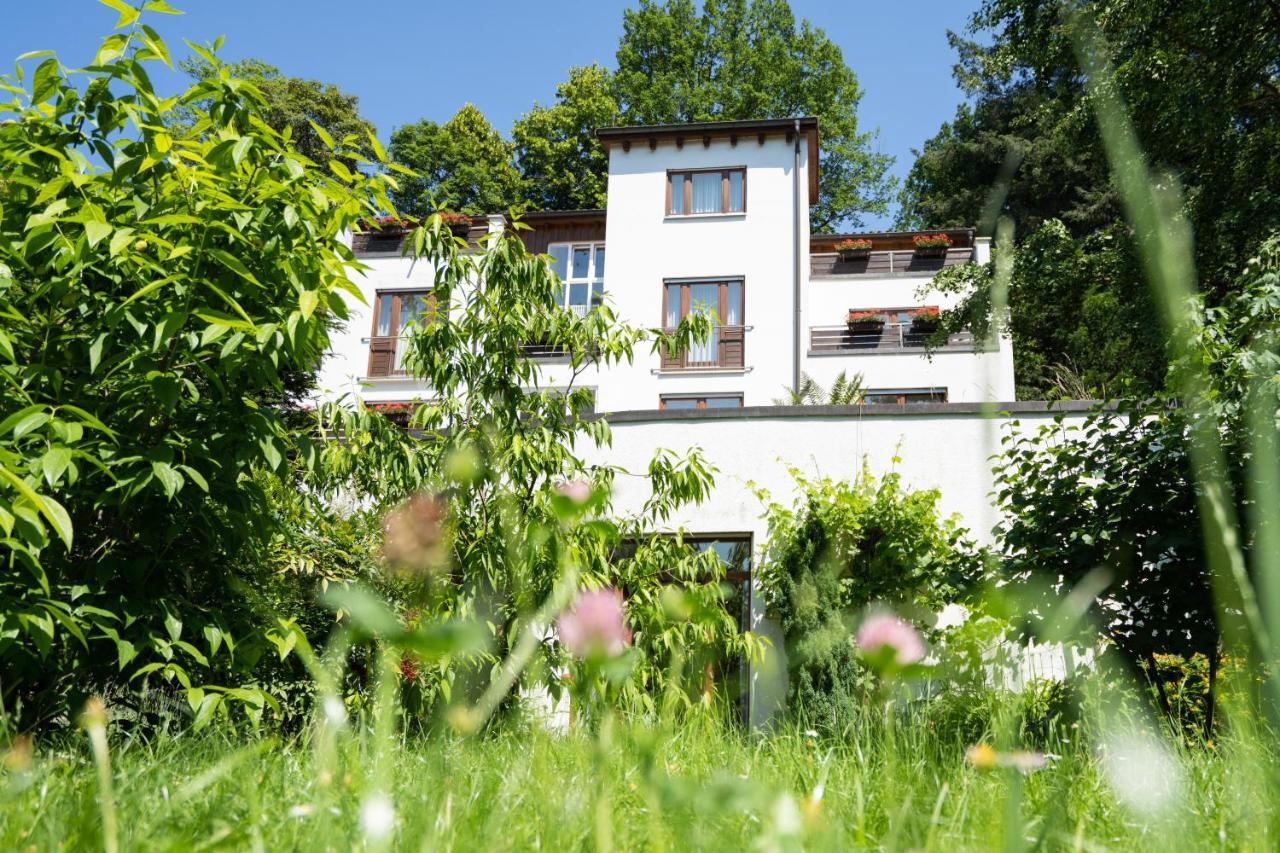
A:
{"x":724,"y":350}
{"x":886,"y":264}
{"x":890,"y":338}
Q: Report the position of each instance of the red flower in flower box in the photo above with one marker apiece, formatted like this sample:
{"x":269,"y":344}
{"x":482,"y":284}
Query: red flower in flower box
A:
{"x":854,"y":248}
{"x":932,"y":245}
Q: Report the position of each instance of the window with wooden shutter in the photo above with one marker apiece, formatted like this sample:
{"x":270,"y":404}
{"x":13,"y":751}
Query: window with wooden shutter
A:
{"x":725,"y":348}
{"x":396,"y":313}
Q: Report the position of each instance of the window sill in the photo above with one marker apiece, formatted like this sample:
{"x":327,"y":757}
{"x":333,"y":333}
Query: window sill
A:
{"x":681,"y":217}
{"x":700,"y":371}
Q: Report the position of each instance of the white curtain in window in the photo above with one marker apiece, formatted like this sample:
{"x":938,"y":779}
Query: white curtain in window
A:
{"x":706,"y":192}
{"x":705,"y":298}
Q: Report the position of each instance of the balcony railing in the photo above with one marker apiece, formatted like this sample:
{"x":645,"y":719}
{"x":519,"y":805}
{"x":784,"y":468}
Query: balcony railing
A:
{"x":887,"y":263}
{"x":724,"y":350}
{"x":891,"y":337}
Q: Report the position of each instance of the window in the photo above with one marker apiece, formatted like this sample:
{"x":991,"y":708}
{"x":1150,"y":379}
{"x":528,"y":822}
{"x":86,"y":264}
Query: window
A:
{"x":396,"y":313}
{"x":707,"y":191}
{"x":724,"y":348}
{"x":581,"y":269}
{"x":709,"y":401}
{"x":901,"y":396}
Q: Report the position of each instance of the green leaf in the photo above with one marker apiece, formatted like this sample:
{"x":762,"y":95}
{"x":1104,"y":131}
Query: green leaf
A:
{"x":160,"y":7}
{"x":322,"y":133}
{"x":169,"y":478}
{"x":128,"y":14}
{"x":45,"y":81}
{"x":112,"y":46}
{"x":152,"y":39}
{"x":196,"y":477}
{"x":95,"y":352}
{"x":205,"y":710}
{"x":148,"y":288}
{"x":272,"y":453}
{"x":48,"y":507}
{"x":367,"y":611}
{"x":240,"y":149}
{"x":234,"y":264}
{"x":34,"y":54}
{"x":54,"y":463}
{"x":307,"y":303}
{"x":96,"y":231}
{"x":33,"y":421}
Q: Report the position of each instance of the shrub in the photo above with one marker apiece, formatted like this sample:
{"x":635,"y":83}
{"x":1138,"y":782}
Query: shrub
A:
{"x":841,"y":548}
{"x":161,"y":308}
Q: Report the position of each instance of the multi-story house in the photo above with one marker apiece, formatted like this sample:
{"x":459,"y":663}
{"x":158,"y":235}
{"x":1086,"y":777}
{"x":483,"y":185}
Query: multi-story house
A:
{"x":714,"y":215}
{"x":717,"y":215}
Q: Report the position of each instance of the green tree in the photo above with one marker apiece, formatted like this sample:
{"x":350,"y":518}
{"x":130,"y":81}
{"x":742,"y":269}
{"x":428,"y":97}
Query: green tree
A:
{"x":290,"y":104}
{"x":745,"y":59}
{"x":563,"y":164}
{"x":463,"y":165}
{"x":518,"y":520}
{"x":1077,"y":328}
{"x":1202,"y":81}
{"x":150,"y":304}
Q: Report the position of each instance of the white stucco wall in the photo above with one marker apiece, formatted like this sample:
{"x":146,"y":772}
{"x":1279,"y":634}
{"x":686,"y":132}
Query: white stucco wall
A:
{"x":647,"y":248}
{"x":945,"y":447}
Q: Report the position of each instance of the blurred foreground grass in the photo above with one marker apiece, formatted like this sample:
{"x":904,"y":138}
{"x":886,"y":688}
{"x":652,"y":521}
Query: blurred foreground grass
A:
{"x":699,"y":786}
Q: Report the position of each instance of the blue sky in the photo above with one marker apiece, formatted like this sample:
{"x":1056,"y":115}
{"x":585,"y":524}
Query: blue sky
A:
{"x":408,"y":60}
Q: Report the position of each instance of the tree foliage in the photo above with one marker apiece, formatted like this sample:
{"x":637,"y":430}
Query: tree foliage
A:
{"x":290,"y":105}
{"x":1201,"y":83}
{"x":563,"y":164}
{"x":463,"y":165}
{"x":748,"y":59}
{"x":843,"y":547}
{"x":152,"y":302}
{"x":1081,"y":322}
{"x":1118,"y":494}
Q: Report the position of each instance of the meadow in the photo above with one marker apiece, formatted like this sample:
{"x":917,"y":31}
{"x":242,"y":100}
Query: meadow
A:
{"x":702,"y":785}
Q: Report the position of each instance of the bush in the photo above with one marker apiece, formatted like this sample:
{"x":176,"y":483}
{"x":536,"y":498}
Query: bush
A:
{"x":159,"y":315}
{"x":843,"y":547}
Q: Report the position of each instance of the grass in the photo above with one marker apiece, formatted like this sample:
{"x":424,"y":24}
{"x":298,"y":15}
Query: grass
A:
{"x":700,"y":785}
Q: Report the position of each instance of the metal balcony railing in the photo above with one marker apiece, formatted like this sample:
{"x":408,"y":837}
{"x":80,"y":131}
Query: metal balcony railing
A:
{"x":890,"y":337}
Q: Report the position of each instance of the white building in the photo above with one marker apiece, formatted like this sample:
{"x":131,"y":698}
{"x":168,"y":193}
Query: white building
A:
{"x":718,"y":214}
{"x":714,"y":214}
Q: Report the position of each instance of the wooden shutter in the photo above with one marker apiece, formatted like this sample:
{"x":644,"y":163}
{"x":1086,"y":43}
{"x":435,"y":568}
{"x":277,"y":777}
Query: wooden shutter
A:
{"x":731,"y":354}
{"x":382,"y":356}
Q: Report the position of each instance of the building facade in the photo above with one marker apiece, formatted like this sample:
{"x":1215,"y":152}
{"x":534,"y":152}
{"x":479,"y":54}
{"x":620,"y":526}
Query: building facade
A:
{"x":713,"y":217}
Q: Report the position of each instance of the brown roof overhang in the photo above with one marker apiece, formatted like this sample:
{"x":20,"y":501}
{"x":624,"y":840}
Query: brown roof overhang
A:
{"x":705,"y":131}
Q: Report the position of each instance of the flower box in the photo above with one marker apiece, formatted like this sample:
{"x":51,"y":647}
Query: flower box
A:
{"x":931,"y":245}
{"x":853,"y":250}
{"x":926,"y":320}
{"x":866,"y":321}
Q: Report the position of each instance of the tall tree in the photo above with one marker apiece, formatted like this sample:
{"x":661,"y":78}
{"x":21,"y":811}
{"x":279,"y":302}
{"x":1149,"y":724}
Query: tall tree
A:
{"x":1202,"y":81}
{"x":563,"y":164}
{"x":292,"y":104}
{"x":743,"y":59}
{"x":463,"y":165}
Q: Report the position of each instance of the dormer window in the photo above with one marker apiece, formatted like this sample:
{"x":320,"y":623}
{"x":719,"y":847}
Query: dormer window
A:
{"x":700,"y":192}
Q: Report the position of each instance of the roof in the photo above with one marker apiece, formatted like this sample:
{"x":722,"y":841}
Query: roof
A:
{"x":652,"y":134}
